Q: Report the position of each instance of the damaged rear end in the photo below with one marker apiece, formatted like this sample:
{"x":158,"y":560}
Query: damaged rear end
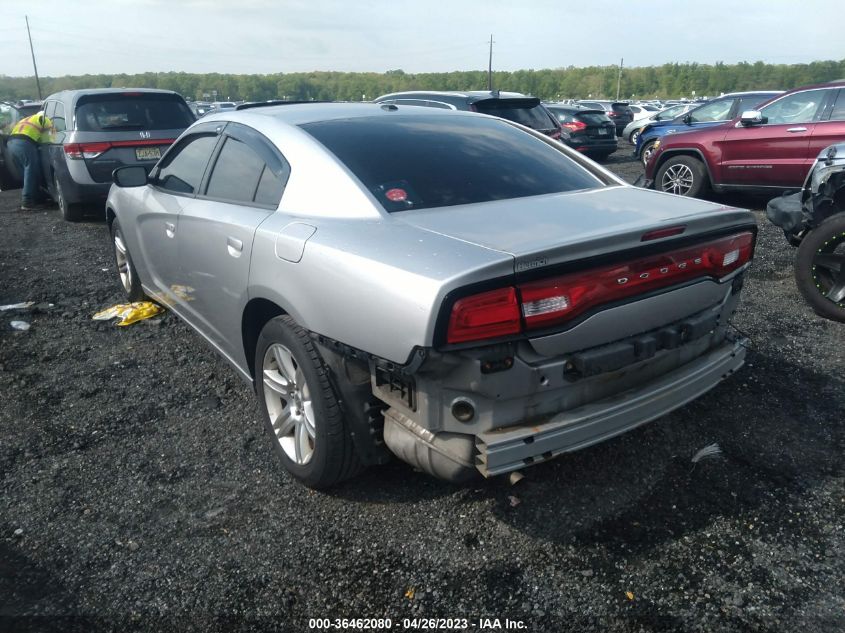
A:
{"x":595,"y":333}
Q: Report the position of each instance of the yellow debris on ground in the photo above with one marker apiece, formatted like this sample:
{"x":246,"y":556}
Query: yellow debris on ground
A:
{"x":129,"y":313}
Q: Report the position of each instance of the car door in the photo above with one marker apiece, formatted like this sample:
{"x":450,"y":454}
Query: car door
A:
{"x":243,"y":188}
{"x":10,"y":177}
{"x":773,"y":153}
{"x":174,"y":183}
{"x":829,"y":129}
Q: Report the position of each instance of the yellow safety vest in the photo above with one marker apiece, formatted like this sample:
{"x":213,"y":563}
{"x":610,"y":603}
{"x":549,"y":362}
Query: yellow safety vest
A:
{"x":37,"y":127}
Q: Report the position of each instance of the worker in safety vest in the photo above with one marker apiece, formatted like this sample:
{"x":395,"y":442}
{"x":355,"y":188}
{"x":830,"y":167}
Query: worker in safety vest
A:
{"x":23,"y":146}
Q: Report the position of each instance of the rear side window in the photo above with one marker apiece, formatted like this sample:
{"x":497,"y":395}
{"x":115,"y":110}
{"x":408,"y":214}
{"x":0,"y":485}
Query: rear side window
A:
{"x":621,"y":107}
{"x":419,"y":162}
{"x":534,"y":117}
{"x":184,"y":168}
{"x":236,"y":173}
{"x":132,"y":111}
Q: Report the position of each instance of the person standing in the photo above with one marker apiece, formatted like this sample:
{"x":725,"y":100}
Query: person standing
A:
{"x":23,"y":146}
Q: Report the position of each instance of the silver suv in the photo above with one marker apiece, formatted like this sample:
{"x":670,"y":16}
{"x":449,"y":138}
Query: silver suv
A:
{"x":95,"y":132}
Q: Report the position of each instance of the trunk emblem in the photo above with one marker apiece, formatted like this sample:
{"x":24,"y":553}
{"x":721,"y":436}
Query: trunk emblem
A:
{"x":144,"y":134}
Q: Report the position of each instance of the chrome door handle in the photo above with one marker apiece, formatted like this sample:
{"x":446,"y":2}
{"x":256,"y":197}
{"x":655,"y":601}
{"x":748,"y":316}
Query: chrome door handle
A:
{"x":797,"y":129}
{"x":234,"y":246}
{"x":170,"y":229}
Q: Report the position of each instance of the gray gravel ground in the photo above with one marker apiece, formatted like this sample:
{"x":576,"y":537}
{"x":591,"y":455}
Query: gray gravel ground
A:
{"x":139,"y":492}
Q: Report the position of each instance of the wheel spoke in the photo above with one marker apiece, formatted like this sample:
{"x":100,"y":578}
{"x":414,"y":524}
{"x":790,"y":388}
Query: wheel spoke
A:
{"x":300,"y":442}
{"x":830,"y":261}
{"x":287,"y":367}
{"x":284,"y":423}
{"x":277,"y":383}
{"x":837,"y":292}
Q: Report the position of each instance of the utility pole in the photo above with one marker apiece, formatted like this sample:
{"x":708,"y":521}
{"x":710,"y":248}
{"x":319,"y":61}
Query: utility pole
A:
{"x":32,"y":50}
{"x":490,"y":67}
{"x":619,"y":78}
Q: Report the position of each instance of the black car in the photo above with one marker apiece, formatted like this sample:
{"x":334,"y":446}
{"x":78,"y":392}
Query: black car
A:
{"x":527,"y":111}
{"x":620,"y":113}
{"x":586,"y":130}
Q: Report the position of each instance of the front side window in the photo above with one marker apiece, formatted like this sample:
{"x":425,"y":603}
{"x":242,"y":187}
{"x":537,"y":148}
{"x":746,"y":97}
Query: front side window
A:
{"x":800,"y":107}
{"x":715,"y":111}
{"x":184,"y":168}
{"x":429,"y":161}
{"x":59,"y":122}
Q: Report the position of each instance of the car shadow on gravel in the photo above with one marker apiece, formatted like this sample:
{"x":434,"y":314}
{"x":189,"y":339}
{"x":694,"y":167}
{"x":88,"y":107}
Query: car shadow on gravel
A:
{"x":641,"y":492}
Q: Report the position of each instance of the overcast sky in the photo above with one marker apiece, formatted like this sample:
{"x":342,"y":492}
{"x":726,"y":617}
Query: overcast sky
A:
{"x":266,"y":36}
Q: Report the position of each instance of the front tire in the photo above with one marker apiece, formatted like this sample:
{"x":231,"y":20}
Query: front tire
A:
{"x":72,"y":212}
{"x":125,"y":268}
{"x":683,"y":176}
{"x":648,"y":150}
{"x":820,"y":268}
{"x":634,"y":136}
{"x":301,"y":410}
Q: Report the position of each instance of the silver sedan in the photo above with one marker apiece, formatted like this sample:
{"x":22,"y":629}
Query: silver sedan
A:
{"x":447,"y":287}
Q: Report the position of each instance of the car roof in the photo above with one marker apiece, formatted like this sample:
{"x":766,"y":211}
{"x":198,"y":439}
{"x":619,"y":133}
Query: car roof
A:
{"x":303,"y":113}
{"x":476,"y":95}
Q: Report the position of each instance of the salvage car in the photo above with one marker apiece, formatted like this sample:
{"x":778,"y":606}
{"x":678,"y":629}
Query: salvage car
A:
{"x":813,"y":220}
{"x":455,"y":289}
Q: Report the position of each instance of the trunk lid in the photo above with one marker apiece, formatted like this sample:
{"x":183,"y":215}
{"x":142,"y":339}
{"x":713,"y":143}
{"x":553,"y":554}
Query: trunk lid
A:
{"x":557,"y":228}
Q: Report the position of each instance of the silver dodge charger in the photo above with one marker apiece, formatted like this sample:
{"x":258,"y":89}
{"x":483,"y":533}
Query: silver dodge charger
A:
{"x":451,"y":288}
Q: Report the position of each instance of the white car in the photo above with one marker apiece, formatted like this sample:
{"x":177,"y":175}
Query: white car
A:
{"x":642,"y":111}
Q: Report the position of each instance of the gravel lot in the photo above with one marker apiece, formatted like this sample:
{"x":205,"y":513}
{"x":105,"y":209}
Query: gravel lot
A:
{"x":139,"y":492}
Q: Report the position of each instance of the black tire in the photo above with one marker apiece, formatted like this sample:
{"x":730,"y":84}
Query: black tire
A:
{"x":634,"y":136}
{"x":820,"y":268}
{"x":129,"y":280}
{"x":683,"y":176}
{"x":72,"y":212}
{"x":332,"y":456}
{"x":646,"y":152}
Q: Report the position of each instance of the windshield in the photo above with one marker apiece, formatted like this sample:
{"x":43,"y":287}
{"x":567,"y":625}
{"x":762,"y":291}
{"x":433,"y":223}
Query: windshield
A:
{"x":419,"y":162}
{"x":132,"y":111}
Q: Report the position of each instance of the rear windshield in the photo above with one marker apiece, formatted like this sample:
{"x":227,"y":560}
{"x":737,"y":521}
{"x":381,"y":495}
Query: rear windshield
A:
{"x":621,"y":107}
{"x":132,"y":111}
{"x":530,"y":114}
{"x":425,"y":162}
{"x":592,"y":118}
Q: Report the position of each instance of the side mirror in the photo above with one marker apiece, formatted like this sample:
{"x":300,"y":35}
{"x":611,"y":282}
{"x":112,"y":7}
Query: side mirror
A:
{"x":130,"y":176}
{"x":752,"y":117}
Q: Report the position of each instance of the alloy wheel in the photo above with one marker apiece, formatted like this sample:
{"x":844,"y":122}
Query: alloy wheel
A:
{"x":289,"y":404}
{"x":678,"y":179}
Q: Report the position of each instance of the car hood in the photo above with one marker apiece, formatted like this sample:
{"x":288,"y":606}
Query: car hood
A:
{"x":562,"y":227}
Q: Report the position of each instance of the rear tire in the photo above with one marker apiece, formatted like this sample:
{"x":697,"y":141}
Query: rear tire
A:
{"x":683,"y":176}
{"x":820,"y":268}
{"x":72,"y":212}
{"x":301,"y":411}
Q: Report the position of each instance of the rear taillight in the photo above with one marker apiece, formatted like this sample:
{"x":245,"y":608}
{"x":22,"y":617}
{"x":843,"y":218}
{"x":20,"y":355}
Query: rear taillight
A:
{"x":483,"y":316}
{"x":613,"y":115}
{"x":85,"y":150}
{"x":78,"y":151}
{"x":552,"y":301}
{"x":575,"y":126}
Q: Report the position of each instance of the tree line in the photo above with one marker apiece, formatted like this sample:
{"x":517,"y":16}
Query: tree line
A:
{"x":667,"y":81}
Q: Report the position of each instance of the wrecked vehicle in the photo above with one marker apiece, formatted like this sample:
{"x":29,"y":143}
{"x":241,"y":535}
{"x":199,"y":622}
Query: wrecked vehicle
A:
{"x":455,"y":289}
{"x":813,"y":220}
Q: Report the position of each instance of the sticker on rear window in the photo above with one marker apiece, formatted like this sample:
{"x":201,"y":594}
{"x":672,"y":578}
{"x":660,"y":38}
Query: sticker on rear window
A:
{"x":396,"y":195}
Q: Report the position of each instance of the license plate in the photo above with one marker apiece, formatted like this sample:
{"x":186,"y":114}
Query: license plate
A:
{"x":147,"y":153}
{"x":603,"y":131}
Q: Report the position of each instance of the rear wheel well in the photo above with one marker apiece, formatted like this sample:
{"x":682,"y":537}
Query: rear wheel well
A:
{"x":256,"y":315}
{"x":683,"y":152}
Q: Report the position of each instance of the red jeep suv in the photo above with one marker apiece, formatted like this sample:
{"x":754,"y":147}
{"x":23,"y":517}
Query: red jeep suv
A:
{"x":771,"y":148}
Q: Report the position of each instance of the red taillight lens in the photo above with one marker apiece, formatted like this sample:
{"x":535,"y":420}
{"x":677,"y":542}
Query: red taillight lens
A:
{"x":85,"y":150}
{"x":575,"y":126}
{"x":484,"y":316}
{"x":549,"y":302}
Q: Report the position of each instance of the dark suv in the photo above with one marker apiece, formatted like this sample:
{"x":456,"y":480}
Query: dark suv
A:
{"x":618,"y":112}
{"x":95,"y":132}
{"x":586,"y":130}
{"x":527,"y":111}
{"x":771,"y":148}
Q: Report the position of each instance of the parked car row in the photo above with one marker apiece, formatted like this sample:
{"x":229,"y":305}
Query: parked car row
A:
{"x":767,"y":147}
